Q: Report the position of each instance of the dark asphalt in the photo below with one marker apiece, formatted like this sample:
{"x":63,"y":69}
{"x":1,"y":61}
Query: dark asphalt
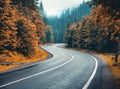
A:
{"x":67,"y":69}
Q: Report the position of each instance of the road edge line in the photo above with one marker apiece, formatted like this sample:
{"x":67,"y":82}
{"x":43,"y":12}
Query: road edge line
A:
{"x":93,"y":74}
{"x":36,"y":74}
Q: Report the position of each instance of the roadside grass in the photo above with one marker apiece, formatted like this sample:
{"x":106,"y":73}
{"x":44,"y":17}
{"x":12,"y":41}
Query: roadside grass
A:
{"x":6,"y":67}
{"x":115,"y":69}
{"x":14,"y":59}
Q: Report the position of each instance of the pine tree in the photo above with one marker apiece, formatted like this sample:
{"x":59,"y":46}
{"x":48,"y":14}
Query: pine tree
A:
{"x":21,"y":27}
{"x":44,"y":17}
{"x":8,"y":28}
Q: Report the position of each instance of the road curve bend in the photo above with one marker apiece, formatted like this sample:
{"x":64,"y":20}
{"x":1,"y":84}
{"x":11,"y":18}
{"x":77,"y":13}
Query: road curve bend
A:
{"x":67,"y":69}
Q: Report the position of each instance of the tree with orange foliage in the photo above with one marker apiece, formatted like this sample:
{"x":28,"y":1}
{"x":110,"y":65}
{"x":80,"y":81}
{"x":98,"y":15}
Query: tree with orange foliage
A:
{"x":8,"y":28}
{"x":101,"y":29}
{"x":27,"y":36}
{"x":21,"y":26}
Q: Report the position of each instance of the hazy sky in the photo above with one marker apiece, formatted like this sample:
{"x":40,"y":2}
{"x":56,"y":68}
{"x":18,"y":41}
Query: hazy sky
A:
{"x":54,"y":7}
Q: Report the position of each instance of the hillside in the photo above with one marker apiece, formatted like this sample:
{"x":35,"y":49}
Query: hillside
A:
{"x":21,"y":30}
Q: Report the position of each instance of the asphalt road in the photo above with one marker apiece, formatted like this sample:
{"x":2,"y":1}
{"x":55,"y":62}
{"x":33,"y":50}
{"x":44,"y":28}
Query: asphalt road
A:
{"x":67,"y":69}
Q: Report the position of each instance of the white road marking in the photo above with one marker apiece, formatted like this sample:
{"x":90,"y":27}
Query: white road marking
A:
{"x":93,"y":74}
{"x":4,"y":85}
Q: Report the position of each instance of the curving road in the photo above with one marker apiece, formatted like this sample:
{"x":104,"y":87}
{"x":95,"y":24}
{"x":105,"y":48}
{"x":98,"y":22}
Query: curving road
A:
{"x":67,"y":69}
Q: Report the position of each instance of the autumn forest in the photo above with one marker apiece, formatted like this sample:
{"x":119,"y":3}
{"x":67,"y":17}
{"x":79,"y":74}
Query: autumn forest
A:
{"x":24,"y":26}
{"x":98,"y":31}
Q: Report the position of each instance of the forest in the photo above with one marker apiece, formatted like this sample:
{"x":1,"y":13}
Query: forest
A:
{"x":68,"y":16}
{"x":25,"y":28}
{"x":99,"y":31}
{"x":92,"y":25}
{"x":21,"y":28}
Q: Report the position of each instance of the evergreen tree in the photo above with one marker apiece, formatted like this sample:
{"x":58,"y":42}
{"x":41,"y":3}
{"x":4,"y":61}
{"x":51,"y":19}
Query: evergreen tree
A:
{"x":49,"y":35}
{"x":100,"y":30}
{"x":59,"y":24}
{"x":21,"y":27}
{"x":8,"y":30}
{"x":43,"y":13}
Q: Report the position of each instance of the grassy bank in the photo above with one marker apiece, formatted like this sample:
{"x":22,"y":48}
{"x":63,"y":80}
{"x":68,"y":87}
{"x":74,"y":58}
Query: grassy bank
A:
{"x":15,"y":59}
{"x":115,"y":69}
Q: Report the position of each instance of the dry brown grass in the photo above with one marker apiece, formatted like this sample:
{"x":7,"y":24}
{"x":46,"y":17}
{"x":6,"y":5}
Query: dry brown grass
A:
{"x":115,"y":69}
{"x":5,"y":67}
{"x":19,"y":59}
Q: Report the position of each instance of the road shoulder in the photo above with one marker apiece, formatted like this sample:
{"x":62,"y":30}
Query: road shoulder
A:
{"x":108,"y":76}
